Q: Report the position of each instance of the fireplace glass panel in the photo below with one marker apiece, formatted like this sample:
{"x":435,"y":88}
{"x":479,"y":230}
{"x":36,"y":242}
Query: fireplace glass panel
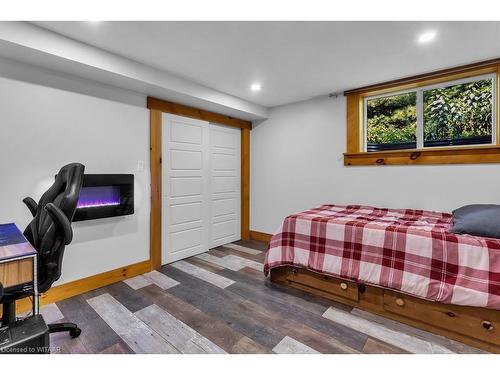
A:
{"x":99,"y":196}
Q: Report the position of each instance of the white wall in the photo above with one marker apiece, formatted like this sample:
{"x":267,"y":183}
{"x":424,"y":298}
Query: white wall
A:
{"x":297,"y":164}
{"x":42,"y":129}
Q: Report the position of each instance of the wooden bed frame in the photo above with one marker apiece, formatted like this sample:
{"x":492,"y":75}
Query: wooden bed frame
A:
{"x":475,"y":326}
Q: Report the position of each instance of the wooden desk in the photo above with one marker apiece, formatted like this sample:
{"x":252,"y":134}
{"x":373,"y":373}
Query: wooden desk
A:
{"x":17,"y":261}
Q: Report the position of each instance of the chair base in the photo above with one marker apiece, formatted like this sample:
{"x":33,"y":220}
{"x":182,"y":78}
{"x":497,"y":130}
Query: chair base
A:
{"x":72,"y":328}
{"x":8,"y":313}
{"x":9,"y":317}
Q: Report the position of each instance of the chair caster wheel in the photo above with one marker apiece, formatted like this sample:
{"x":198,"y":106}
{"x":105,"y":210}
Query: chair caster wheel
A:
{"x":74,"y":333}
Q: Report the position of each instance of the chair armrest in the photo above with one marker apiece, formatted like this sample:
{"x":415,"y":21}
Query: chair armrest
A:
{"x":32,"y":206}
{"x":61,"y":221}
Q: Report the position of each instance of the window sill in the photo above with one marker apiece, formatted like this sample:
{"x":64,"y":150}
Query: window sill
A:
{"x":457,"y":155}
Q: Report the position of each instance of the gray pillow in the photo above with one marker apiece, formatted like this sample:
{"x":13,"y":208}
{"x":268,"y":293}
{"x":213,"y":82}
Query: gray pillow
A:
{"x":478,"y":220}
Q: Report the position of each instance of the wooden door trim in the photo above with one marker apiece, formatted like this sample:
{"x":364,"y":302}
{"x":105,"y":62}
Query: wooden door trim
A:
{"x":156,"y":142}
{"x":155,"y":169}
{"x":245,"y":184}
{"x":199,"y":114}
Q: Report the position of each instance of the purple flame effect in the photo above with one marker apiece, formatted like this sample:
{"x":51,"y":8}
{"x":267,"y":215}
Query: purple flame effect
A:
{"x":99,"y":196}
{"x":97,"y":204}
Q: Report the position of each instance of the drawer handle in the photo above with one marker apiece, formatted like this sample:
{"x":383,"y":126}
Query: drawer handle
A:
{"x":487,"y":325}
{"x":400,"y":302}
{"x":343,"y":286}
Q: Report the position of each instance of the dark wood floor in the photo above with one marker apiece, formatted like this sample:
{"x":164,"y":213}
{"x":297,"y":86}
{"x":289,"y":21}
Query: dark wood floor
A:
{"x":220,"y":302}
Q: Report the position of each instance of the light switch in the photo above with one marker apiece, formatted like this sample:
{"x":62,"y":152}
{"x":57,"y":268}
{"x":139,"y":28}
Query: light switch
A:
{"x":140,"y":165}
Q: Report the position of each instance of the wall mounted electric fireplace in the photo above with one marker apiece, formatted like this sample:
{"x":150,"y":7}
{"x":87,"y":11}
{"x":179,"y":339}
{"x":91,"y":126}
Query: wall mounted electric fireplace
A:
{"x":105,"y":195}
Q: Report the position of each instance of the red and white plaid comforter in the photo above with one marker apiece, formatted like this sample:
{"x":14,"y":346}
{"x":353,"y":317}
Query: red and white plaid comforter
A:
{"x":408,"y":250}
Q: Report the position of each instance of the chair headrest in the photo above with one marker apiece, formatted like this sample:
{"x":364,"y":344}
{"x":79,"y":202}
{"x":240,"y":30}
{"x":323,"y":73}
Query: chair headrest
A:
{"x":63,"y":193}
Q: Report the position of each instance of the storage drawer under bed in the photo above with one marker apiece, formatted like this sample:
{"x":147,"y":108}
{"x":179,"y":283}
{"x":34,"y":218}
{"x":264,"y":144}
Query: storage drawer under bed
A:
{"x":479,"y":323}
{"x":324,"y":284}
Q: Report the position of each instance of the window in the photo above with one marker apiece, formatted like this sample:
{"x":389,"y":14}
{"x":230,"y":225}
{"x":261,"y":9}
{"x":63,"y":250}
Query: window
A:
{"x":391,"y":122}
{"x":444,"y":117}
{"x":459,"y":113}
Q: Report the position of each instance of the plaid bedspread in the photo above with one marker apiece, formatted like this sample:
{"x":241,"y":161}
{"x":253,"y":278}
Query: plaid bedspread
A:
{"x":407,"y":250}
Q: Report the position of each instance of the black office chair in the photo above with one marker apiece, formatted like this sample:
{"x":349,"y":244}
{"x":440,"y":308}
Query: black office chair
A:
{"x":49,"y":232}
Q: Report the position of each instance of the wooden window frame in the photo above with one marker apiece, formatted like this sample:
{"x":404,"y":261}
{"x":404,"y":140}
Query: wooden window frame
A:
{"x":355,"y":154}
{"x":157,"y":107}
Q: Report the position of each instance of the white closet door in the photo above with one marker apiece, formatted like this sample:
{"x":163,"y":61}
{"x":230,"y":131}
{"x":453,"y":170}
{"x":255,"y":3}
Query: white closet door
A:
{"x":185,"y":187}
{"x":225,"y":185}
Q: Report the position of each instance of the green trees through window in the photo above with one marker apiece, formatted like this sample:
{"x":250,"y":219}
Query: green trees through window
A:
{"x":459,"y":111}
{"x":392,"y":121}
{"x":460,"y":114}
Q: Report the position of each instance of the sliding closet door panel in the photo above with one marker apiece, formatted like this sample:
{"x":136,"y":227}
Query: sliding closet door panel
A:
{"x":225,"y":184}
{"x":185,"y":187}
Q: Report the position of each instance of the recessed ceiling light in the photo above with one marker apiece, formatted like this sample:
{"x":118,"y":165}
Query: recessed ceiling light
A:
{"x":427,"y":37}
{"x":255,"y":87}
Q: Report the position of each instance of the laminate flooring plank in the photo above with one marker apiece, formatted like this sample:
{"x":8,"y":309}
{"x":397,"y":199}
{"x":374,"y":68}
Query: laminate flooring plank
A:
{"x":306,"y":335}
{"x":136,"y":334}
{"x":259,"y":258}
{"x":67,"y":345}
{"x":296,"y":311}
{"x":247,"y":346}
{"x":204,"y":264}
{"x":452,"y":345}
{"x":374,"y":346}
{"x":291,"y":346}
{"x":232,"y":262}
{"x":163,"y":281}
{"x":51,"y":313}
{"x":133,"y":300}
{"x":118,"y":348}
{"x":384,"y":334}
{"x":96,"y":334}
{"x":221,"y":261}
{"x":224,"y":305}
{"x":245,"y":262}
{"x":266,"y":288}
{"x":209,"y":277}
{"x":257,"y":245}
{"x":94,"y":293}
{"x":138,"y":282}
{"x":242,"y":249}
{"x":185,"y":339}
{"x":212,"y":328}
{"x":217,"y":251}
{"x":258,"y":275}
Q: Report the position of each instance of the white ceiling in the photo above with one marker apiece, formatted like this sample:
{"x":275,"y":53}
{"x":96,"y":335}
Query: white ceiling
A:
{"x":292,"y":60}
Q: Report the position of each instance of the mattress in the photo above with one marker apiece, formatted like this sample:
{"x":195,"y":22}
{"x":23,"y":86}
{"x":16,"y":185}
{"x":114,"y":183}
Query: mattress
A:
{"x":411,"y":251}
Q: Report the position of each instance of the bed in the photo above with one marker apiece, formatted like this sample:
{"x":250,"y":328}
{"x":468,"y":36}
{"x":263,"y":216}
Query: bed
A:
{"x":403,"y":264}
